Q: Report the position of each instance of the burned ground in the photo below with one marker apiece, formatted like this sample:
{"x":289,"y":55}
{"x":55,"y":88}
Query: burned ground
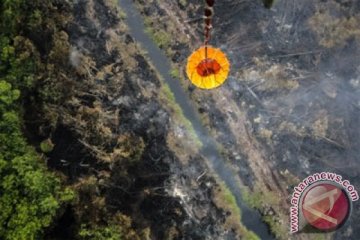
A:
{"x":110,"y":133}
{"x":291,"y":103}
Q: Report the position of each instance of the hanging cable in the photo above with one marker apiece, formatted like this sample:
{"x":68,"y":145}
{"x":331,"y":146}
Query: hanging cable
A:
{"x":208,"y":14}
{"x":208,"y":67}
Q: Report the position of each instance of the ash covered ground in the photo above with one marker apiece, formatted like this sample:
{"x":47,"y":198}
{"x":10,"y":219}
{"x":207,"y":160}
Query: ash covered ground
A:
{"x":121,"y":144}
{"x":291,"y":106}
{"x":108,"y":125}
{"x":296,"y":74}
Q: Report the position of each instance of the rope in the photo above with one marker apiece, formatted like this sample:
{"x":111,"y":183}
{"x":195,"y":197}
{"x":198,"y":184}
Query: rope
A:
{"x":208,"y":13}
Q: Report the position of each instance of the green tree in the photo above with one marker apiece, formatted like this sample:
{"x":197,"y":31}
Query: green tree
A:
{"x":29,"y":194}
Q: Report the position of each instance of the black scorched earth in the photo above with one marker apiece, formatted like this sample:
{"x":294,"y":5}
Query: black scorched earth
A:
{"x":121,"y":152}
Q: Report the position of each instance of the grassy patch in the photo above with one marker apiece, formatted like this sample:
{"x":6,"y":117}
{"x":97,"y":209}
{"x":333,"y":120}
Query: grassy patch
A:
{"x":259,"y":199}
{"x":230,"y":200}
{"x":122,"y":15}
{"x":224,"y":199}
{"x":115,"y":4}
{"x":172,"y":104}
{"x":174,"y":72}
{"x":159,"y":36}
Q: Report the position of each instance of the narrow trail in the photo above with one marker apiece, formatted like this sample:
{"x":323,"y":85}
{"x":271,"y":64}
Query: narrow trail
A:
{"x":250,"y":218}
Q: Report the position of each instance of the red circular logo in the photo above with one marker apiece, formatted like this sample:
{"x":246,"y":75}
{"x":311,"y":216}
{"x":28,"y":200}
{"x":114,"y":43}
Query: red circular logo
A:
{"x":326,"y":206}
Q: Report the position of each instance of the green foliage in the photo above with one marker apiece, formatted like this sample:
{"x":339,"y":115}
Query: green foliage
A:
{"x":119,"y":227}
{"x":258,"y":200}
{"x":17,"y":61}
{"x":46,"y":146}
{"x":276,"y":227}
{"x":169,"y":97}
{"x":35,"y":19}
{"x":7,"y":95}
{"x":159,"y":36}
{"x":250,"y":235}
{"x":18,"y":56}
{"x":29,"y":195}
{"x":10,"y":16}
{"x":174,"y":73}
{"x":112,"y":232}
{"x":230,"y":200}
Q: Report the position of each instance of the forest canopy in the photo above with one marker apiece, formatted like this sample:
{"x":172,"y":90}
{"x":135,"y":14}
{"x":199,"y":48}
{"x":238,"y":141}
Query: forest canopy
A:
{"x":30,"y":195}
